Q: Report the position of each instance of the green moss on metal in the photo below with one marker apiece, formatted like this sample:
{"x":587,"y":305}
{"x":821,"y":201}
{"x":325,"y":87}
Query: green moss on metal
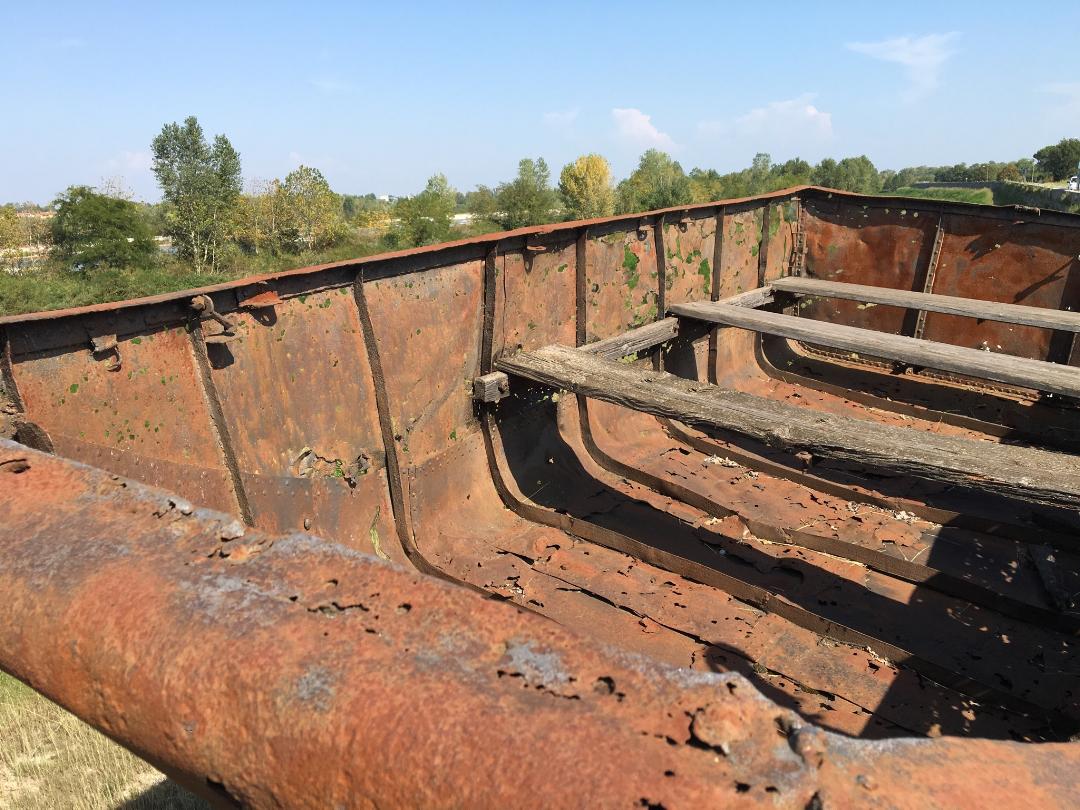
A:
{"x":630,"y":264}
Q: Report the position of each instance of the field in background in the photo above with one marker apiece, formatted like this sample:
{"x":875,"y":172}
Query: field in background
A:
{"x":51,"y":286}
{"x":981,"y":196}
{"x":51,"y":759}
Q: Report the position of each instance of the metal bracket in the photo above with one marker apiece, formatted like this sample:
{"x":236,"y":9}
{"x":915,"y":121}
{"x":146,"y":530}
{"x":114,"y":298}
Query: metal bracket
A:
{"x":103,"y":345}
{"x":258,"y":296}
{"x":205,"y":309}
{"x":259,"y":300}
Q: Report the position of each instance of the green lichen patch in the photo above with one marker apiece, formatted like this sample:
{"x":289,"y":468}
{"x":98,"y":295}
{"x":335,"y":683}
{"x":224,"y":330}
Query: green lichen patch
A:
{"x":705,"y":271}
{"x":630,"y":265}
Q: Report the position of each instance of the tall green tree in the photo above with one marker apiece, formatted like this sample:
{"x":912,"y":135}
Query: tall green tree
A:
{"x":1011,"y":172}
{"x":1027,"y":168}
{"x":201,"y":185}
{"x":481,"y":203}
{"x":1060,"y":161}
{"x":258,"y":217}
{"x":657,"y":182}
{"x":707,"y":185}
{"x":424,"y":219}
{"x":856,"y":174}
{"x":586,"y":188}
{"x":528,"y":199}
{"x":93,"y":230}
{"x":313,"y":213}
{"x":11,"y":236}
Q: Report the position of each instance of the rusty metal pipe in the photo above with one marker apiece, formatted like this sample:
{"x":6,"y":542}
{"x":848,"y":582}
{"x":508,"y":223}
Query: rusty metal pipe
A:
{"x":293,"y":672}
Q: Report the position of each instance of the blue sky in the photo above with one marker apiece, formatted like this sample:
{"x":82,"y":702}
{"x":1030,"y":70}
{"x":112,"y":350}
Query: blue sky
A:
{"x":379,"y":96}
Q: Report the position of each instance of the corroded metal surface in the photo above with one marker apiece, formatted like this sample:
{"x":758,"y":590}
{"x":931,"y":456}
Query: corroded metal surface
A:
{"x":245,"y":663}
{"x":339,"y":400}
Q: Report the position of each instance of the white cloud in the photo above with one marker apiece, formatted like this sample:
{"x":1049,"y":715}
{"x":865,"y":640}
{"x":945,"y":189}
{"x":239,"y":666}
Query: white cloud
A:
{"x":561,"y":120}
{"x":636,"y":127}
{"x":791,"y":114}
{"x":921,"y":58}
{"x":786,"y":128}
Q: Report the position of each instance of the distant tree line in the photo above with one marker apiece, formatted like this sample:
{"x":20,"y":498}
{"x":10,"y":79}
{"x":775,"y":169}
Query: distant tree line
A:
{"x":586,"y":188}
{"x":204,"y":212}
{"x":210,"y":219}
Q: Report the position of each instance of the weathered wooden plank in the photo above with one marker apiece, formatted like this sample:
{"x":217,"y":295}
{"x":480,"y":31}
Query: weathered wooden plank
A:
{"x":1045,"y":560}
{"x":656,"y":333}
{"x":1037,"y":374}
{"x":491,"y":387}
{"x":636,"y":340}
{"x":1016,"y":472}
{"x":932,"y":302}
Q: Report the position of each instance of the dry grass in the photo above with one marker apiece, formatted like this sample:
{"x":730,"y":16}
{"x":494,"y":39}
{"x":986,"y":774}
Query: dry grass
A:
{"x":51,"y":759}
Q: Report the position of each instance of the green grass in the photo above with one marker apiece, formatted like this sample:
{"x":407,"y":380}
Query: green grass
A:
{"x":51,"y":759}
{"x":52,"y":286}
{"x":982,"y":196}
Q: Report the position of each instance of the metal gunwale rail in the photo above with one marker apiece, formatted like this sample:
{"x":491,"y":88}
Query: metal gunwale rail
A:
{"x":482,"y":242}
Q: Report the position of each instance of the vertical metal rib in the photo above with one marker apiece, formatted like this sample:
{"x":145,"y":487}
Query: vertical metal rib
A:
{"x":9,"y":389}
{"x":714,"y":291}
{"x":931,"y":273}
{"x":386,"y":429}
{"x":763,"y":245}
{"x":581,"y":263}
{"x":217,"y":421}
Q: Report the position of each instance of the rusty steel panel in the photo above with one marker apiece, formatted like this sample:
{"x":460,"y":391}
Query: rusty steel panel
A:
{"x":739,"y":273}
{"x":621,"y":289}
{"x":428,"y":330}
{"x":783,"y":223}
{"x":742,"y":238}
{"x":147,"y":418}
{"x":1014,"y":262}
{"x":884,"y":247}
{"x":354,"y":643}
{"x":296,"y":391}
{"x":535,"y":297}
{"x":297,"y":377}
{"x":688,"y":248}
{"x":682,"y":622}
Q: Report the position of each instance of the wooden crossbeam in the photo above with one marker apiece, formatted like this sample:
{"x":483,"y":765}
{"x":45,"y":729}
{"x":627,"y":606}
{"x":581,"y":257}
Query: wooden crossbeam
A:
{"x":1037,"y":374}
{"x":1017,"y":472}
{"x":932,"y":302}
{"x":637,"y":340}
{"x":654,"y":334}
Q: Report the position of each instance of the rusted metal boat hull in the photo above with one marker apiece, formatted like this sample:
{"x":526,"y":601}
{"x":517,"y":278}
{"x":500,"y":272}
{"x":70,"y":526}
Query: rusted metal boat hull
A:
{"x":337,"y":401}
{"x":289,"y":671}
